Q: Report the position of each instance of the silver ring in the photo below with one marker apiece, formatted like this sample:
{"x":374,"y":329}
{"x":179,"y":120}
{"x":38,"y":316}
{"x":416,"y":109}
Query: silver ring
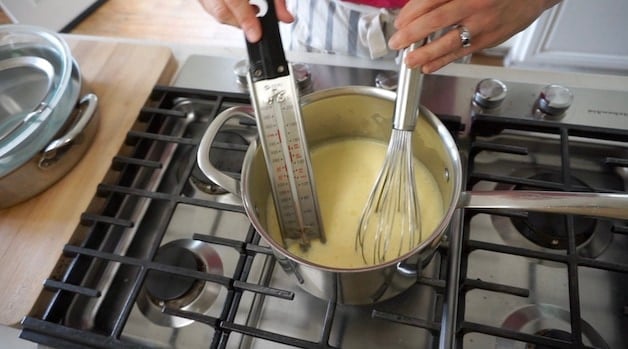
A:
{"x":465,"y":36}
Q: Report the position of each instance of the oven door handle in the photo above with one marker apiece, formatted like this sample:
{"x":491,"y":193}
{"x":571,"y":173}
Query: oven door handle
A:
{"x":229,"y":183}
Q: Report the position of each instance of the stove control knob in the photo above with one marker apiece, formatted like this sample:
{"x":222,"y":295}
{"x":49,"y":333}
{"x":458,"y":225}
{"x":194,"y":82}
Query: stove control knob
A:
{"x":489,"y":93}
{"x":554,"y":100}
{"x":241,"y":69}
{"x":387,"y":80}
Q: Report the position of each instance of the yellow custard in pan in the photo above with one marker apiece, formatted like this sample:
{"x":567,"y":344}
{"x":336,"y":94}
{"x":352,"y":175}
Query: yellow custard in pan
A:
{"x":345,"y":172}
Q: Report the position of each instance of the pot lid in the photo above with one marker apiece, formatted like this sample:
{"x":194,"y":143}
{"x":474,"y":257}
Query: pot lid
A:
{"x":25,"y":82}
{"x":35,"y":76}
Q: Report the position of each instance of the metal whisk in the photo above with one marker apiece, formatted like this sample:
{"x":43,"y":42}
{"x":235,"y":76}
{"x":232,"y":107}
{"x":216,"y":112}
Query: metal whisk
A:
{"x":391,"y":220}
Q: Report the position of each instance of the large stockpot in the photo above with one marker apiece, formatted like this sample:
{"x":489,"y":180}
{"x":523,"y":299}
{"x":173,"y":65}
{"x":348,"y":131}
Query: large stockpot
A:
{"x":46,"y":125}
{"x":359,"y":111}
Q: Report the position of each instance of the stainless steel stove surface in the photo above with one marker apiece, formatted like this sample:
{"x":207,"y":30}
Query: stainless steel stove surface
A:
{"x":165,"y":259}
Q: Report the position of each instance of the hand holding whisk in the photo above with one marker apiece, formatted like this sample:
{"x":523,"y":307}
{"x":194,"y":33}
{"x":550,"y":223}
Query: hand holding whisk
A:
{"x":391,"y":221}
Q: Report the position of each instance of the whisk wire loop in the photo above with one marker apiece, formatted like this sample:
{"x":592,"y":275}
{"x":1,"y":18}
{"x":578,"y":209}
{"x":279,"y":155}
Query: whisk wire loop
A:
{"x":392,"y":210}
{"x":390,"y":222}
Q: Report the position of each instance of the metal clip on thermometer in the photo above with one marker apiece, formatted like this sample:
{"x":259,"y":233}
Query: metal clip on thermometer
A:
{"x":275,"y":99}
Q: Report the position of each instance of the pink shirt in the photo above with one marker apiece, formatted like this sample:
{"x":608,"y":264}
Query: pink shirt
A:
{"x":381,"y":3}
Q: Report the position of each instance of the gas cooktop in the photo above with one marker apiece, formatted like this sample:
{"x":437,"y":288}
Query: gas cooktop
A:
{"x":164,"y":258}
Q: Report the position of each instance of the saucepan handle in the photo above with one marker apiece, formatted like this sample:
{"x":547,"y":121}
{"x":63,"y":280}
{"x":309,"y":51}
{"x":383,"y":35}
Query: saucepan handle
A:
{"x":229,"y":183}
{"x":608,"y":205}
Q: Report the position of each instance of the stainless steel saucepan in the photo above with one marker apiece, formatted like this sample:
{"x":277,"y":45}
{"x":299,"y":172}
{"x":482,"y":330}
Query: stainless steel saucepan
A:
{"x":350,"y":112}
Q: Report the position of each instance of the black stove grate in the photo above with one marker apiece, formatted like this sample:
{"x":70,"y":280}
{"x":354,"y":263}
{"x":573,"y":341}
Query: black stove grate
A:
{"x":134,"y":180}
{"x":485,"y":139}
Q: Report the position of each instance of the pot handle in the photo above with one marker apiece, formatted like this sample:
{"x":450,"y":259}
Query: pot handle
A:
{"x":229,"y":183}
{"x":86,"y":109}
{"x":608,"y":205}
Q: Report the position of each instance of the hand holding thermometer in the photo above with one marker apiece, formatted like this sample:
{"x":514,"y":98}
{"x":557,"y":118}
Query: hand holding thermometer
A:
{"x":275,"y":100}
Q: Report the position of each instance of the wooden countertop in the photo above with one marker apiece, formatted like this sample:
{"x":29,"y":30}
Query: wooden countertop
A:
{"x":168,"y":21}
{"x":32,"y":234}
{"x":177,"y":21}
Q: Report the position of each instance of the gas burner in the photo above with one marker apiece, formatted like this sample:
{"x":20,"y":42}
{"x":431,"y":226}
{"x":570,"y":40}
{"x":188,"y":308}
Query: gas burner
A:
{"x":550,"y":333}
{"x":163,"y":289}
{"x":548,"y":231}
{"x":198,"y":183}
{"x":547,"y":321}
{"x":227,"y":159}
{"x":227,"y":154}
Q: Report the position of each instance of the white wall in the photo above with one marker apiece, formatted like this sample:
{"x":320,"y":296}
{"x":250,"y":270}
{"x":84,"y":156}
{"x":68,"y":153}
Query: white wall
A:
{"x":576,"y":35}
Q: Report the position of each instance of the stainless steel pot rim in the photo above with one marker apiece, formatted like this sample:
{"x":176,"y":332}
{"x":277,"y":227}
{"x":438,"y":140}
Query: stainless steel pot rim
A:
{"x":436,"y":235}
{"x":25,"y":40}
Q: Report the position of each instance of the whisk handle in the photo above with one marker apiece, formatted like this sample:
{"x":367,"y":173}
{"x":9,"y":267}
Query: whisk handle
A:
{"x":408,"y":98}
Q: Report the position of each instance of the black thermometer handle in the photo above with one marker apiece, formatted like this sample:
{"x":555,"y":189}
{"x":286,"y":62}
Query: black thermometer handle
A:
{"x":267,"y":59}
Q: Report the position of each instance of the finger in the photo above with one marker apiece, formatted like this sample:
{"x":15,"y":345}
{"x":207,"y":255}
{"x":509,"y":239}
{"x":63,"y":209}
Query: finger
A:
{"x":282,"y":12}
{"x":442,"y":61}
{"x":450,"y":49}
{"x":414,"y":9}
{"x":246,"y":16}
{"x":446,"y":15}
{"x":449,"y":42}
{"x":220,"y":12}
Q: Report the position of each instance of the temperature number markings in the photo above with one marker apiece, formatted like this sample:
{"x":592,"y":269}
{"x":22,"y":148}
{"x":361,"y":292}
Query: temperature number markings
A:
{"x":290,"y":175}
